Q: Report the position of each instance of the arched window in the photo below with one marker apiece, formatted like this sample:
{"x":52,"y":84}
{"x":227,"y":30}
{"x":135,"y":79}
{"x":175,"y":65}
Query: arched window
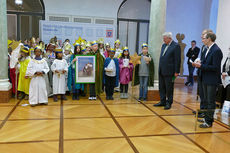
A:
{"x":23,"y":19}
{"x":133,"y":23}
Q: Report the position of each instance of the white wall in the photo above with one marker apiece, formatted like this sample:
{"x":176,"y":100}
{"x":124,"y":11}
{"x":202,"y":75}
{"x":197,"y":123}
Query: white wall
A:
{"x":135,"y":9}
{"x":189,"y":17}
{"x":92,"y":8}
{"x":223,"y":27}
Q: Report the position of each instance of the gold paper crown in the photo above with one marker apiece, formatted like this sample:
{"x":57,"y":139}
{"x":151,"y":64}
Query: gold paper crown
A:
{"x":58,"y":50}
{"x":125,"y":48}
{"x":42,"y":46}
{"x":80,"y":41}
{"x":32,"y":40}
{"x":88,"y":44}
{"x":38,"y":47}
{"x":8,"y":43}
{"x":144,"y":45}
{"x":24,"y":49}
{"x":112,"y":50}
{"x":67,"y":47}
{"x":93,"y":43}
{"x":100,"y":41}
{"x":83,"y":49}
{"x":107,"y":44}
{"x":14,"y":44}
{"x":117,"y":41}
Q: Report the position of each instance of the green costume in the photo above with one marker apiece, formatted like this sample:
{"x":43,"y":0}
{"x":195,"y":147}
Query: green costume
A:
{"x":98,"y":71}
{"x":151,"y":72}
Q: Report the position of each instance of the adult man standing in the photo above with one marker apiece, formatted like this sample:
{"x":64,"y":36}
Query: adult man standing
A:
{"x":199,"y":80}
{"x":169,"y":68}
{"x":192,"y":54}
{"x":211,"y":76}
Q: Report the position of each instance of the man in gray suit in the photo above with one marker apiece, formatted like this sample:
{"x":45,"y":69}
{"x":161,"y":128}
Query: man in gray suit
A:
{"x":169,"y":69}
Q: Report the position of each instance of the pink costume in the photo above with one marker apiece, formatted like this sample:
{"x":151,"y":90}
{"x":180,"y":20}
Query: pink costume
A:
{"x":126,"y":73}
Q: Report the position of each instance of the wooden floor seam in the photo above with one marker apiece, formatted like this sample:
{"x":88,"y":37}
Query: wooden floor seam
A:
{"x":9,"y":114}
{"x":119,"y":127}
{"x":202,"y":148}
{"x":61,"y":132}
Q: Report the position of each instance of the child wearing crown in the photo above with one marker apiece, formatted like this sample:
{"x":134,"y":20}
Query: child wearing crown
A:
{"x":60,"y":70}
{"x":126,"y":72}
{"x":36,"y":70}
{"x":96,"y":89}
{"x":23,"y":80}
{"x":111,"y":74}
{"x":144,"y":73}
{"x":72,"y":85}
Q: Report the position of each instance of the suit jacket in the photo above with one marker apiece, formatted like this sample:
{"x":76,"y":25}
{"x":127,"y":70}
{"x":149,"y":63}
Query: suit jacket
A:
{"x":169,"y":64}
{"x":211,"y":66}
{"x":192,"y":54}
{"x":224,"y":67}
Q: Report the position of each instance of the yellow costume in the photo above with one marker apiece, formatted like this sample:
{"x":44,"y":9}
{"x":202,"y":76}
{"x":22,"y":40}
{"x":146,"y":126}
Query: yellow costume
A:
{"x":23,"y":83}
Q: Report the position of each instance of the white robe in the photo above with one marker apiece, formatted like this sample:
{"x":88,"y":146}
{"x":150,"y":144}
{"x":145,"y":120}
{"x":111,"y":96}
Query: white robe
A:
{"x":37,"y":91}
{"x":59,"y":79}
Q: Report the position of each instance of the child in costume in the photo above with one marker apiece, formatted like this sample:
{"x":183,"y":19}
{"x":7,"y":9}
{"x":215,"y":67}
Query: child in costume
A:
{"x":16,"y":47}
{"x":60,"y":70}
{"x":117,"y":44}
{"x":101,"y":46}
{"x":107,"y":49}
{"x":72,"y":85}
{"x":126,"y":72}
{"x":96,"y":88}
{"x":36,"y":70}
{"x":23,"y":81}
{"x":50,"y":57}
{"x":111,"y":74}
{"x":144,"y":73}
{"x":88,"y":48}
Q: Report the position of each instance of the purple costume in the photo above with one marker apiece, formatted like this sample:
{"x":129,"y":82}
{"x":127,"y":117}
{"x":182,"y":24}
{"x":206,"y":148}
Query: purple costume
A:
{"x":126,"y":74}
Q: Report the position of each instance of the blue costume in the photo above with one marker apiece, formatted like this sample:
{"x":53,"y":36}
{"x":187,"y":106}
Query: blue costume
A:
{"x":110,"y":81}
{"x":72,"y":85}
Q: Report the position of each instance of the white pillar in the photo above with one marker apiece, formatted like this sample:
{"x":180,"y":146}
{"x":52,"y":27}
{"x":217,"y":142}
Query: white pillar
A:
{"x":4,"y":81}
{"x":156,"y":29}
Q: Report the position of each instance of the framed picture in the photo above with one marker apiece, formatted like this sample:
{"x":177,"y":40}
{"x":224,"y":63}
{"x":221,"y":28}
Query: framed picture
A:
{"x":85,"y":68}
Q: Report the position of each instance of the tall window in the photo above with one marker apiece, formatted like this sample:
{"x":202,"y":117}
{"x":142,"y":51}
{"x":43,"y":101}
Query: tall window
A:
{"x":23,"y":19}
{"x":133,"y":24}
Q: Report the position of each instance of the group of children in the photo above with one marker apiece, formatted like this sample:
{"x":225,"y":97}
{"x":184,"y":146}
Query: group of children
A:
{"x":53,"y":73}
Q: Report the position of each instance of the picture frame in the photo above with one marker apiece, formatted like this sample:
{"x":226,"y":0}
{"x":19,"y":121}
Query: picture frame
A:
{"x":85,"y":68}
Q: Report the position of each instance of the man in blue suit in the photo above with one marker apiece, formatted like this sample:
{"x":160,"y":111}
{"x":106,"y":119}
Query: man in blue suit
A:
{"x":211,"y":76}
{"x":169,"y":68}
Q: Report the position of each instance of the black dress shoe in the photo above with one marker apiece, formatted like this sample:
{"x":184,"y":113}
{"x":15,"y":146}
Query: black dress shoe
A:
{"x":201,"y":120}
{"x":111,"y":98}
{"x":159,"y":104}
{"x":201,"y":115}
{"x":186,"y":83}
{"x":167,"y":106}
{"x":139,"y":99}
{"x":205,"y":125}
{"x":107,"y":98}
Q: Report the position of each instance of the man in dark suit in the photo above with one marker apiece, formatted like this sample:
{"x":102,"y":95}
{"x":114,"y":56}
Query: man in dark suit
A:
{"x":199,"y":80}
{"x":192,"y":54}
{"x":211,"y":76}
{"x":169,"y":68}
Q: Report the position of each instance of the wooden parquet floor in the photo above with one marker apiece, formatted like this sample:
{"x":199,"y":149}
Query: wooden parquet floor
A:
{"x":102,"y":126}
